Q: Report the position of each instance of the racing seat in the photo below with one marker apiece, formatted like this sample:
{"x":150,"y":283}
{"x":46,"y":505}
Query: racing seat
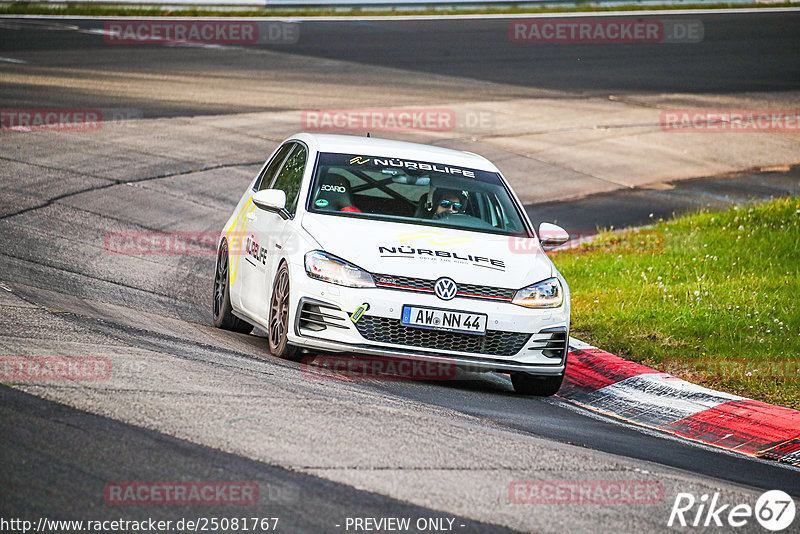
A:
{"x":422,"y":211}
{"x":335,"y":190}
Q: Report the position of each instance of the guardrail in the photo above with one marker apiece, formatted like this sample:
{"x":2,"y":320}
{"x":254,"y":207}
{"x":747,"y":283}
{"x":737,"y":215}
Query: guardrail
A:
{"x":385,"y":3}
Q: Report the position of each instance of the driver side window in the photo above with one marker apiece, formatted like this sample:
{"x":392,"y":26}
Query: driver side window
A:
{"x":268,"y":174}
{"x":290,"y":176}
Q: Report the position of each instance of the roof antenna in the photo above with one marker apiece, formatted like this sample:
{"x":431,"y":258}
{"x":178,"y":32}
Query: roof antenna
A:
{"x":367,"y":134}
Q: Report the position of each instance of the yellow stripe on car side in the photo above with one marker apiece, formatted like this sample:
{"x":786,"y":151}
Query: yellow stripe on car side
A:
{"x":235,"y":238}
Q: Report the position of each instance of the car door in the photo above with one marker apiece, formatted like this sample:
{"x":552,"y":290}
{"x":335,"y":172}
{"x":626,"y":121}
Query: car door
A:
{"x":244,"y":247}
{"x":267,"y":233}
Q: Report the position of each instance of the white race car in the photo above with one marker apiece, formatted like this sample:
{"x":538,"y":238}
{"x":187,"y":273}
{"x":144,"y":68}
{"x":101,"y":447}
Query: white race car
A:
{"x":385,"y":248}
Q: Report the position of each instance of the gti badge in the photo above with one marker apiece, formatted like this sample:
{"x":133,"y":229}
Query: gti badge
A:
{"x":445,"y":288}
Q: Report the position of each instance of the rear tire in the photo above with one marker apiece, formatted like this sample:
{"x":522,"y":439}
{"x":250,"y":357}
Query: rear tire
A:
{"x":279,"y":318}
{"x":537,"y":386}
{"x":223,"y":311}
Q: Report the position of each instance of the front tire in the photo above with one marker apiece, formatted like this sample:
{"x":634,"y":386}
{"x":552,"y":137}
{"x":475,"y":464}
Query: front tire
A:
{"x":223,"y":311}
{"x":279,"y":318}
{"x":537,"y":386}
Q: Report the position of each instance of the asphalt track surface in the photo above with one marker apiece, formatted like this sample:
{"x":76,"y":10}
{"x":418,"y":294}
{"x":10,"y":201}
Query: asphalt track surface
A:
{"x":62,"y":294}
{"x":739,"y":53}
{"x":643,"y":206}
{"x":88,"y":451}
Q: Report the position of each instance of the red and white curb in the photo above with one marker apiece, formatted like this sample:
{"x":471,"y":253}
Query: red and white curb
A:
{"x":608,"y":384}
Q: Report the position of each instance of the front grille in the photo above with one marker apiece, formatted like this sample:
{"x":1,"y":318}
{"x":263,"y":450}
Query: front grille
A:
{"x":464,"y":290}
{"x":403,"y":282}
{"x":495,"y":342}
{"x":485,"y":292}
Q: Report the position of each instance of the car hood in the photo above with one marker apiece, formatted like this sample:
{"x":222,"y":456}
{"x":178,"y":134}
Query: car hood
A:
{"x":419,"y":251}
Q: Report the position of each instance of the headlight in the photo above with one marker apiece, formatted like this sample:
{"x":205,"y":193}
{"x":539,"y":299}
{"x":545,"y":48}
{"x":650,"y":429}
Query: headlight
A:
{"x":545,"y":294}
{"x":323,"y":266}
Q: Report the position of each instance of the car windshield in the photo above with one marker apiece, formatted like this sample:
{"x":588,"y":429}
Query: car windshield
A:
{"x":411,"y":191}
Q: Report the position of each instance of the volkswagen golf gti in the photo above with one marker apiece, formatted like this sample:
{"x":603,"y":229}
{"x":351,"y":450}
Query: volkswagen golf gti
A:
{"x":390,"y":249}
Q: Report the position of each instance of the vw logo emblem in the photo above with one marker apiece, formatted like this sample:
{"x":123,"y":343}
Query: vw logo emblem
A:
{"x":445,"y":288}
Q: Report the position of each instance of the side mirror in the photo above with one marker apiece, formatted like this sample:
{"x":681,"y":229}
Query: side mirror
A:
{"x":271,"y":200}
{"x":551,"y":235}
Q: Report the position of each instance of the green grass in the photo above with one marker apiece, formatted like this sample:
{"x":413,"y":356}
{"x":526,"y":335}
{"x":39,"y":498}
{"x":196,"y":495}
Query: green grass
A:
{"x":78,"y":9}
{"x":712,"y":297}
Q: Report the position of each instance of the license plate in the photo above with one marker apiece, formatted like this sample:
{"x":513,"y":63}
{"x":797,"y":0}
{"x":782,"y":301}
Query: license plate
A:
{"x":448,"y":320}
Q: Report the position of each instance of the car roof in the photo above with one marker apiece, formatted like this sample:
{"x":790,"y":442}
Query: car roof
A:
{"x":373,"y":146}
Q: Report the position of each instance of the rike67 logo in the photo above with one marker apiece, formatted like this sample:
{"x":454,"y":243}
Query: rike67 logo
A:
{"x":774,"y":510}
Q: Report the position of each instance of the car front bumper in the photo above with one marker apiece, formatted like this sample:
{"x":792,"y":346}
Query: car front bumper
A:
{"x":518,"y":339}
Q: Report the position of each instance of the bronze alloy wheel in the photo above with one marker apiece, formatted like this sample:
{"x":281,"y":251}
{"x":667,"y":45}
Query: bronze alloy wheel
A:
{"x":279,"y":317}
